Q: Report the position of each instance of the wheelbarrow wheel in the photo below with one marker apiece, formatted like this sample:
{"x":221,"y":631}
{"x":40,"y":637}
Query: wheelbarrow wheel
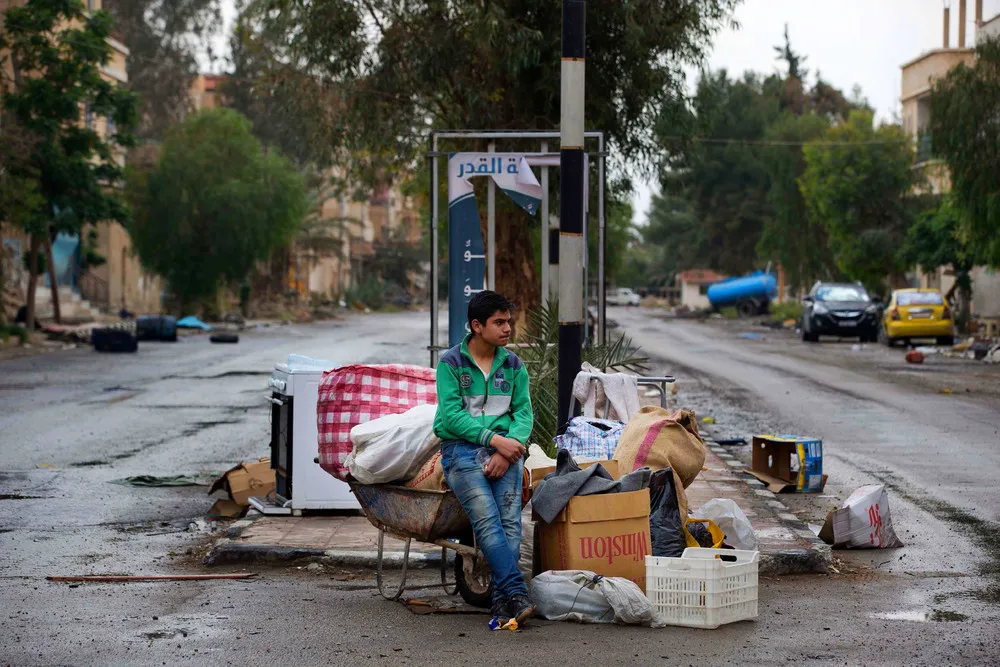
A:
{"x":473,"y":579}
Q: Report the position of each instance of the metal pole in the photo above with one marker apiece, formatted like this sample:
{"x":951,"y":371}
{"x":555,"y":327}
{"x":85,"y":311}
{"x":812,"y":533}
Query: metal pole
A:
{"x":491,"y":229}
{"x":545,"y":229}
{"x":434,"y":251}
{"x":602,"y":334}
{"x":572,"y":205}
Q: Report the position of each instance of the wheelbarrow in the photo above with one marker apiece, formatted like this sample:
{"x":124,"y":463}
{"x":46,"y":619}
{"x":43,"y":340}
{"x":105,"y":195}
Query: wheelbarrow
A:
{"x":429,"y":516}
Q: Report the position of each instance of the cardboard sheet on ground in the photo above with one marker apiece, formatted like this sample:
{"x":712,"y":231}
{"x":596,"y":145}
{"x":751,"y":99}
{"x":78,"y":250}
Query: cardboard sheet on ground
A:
{"x":246,"y":479}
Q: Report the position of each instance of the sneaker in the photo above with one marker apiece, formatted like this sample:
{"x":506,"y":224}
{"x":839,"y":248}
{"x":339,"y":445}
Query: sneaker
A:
{"x":499,"y":610}
{"x":520,"y":608}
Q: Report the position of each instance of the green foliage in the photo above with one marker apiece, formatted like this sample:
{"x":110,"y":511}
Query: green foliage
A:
{"x":674,"y":238}
{"x":618,"y":231}
{"x":965,"y":108}
{"x":389,"y":71}
{"x":730,"y":313}
{"x":371,"y":293}
{"x":214,"y":205}
{"x":56,"y":74}
{"x":541,"y":358}
{"x":163,"y":38}
{"x":730,"y":199}
{"x":786,"y":310}
{"x":858,"y":190}
{"x":12,"y":331}
{"x":724,"y":184}
{"x":796,"y":240}
{"x":935,"y":239}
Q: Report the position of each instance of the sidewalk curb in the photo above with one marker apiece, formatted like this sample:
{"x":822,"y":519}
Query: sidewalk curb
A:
{"x":228,"y":551}
{"x":813,"y":560}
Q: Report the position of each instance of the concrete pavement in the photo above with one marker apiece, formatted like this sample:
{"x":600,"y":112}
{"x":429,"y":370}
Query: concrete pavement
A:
{"x":72,"y":421}
{"x":787,"y":545}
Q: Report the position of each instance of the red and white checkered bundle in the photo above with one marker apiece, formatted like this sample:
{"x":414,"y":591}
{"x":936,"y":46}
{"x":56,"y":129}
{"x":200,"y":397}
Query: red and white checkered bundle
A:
{"x":352,"y":395}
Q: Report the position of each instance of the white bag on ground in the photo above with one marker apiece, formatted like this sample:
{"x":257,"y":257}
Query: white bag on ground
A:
{"x":728,"y":516}
{"x":864,"y":522}
{"x":574,"y":595}
{"x":393,"y":447}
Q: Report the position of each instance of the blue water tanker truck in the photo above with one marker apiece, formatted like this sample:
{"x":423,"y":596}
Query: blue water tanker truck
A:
{"x":750,"y":295}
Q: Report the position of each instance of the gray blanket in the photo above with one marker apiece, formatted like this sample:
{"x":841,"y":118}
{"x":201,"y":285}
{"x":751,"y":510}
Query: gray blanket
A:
{"x":557,"y":488}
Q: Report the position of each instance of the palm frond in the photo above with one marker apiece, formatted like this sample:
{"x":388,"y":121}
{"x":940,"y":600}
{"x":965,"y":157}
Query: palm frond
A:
{"x":541,"y":357}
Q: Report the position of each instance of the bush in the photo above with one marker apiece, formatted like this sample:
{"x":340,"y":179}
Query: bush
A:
{"x":11,"y":331}
{"x":789,"y":310}
{"x":371,"y":293}
{"x":730,"y":313}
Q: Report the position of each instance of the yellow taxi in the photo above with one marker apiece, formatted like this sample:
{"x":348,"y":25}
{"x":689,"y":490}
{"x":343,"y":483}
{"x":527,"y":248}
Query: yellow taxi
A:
{"x":917,"y":313}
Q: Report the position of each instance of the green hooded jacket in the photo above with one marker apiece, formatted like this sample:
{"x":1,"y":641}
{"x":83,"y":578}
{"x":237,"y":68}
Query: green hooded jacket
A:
{"x":473,"y":406}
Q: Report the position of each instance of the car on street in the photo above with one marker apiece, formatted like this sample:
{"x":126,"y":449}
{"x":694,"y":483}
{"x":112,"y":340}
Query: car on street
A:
{"x":839,"y":309}
{"x":623,"y":296}
{"x":917,"y":313}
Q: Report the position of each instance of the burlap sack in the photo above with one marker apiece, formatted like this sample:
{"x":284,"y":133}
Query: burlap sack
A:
{"x":658,"y":439}
{"x":430,"y":476}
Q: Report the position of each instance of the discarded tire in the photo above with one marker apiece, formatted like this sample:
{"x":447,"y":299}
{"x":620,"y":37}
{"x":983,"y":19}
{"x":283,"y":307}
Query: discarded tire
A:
{"x":114,"y":340}
{"x":224,"y":338}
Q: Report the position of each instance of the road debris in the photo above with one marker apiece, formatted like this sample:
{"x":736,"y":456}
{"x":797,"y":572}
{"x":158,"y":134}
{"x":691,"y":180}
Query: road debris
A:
{"x":99,"y":578}
{"x":914,"y":357}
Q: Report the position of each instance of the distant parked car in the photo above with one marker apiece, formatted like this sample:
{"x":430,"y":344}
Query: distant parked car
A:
{"x":917,"y":313}
{"x":623,"y":296}
{"x":839,"y":309}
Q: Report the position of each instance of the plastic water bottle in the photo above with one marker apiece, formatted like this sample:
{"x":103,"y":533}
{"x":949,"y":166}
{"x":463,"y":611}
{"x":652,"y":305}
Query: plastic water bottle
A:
{"x":483,"y":456}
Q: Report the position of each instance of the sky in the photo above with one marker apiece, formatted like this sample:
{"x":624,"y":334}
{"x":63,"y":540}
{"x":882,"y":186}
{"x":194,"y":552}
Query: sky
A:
{"x":851,"y":42}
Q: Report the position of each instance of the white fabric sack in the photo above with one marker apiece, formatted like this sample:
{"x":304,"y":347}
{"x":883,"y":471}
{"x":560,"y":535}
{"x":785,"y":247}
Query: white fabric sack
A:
{"x":573,"y":595}
{"x":864,"y":522}
{"x":728,"y":516}
{"x":393,"y":447}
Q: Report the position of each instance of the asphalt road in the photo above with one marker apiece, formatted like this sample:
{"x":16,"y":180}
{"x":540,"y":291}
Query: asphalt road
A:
{"x":73,"y":421}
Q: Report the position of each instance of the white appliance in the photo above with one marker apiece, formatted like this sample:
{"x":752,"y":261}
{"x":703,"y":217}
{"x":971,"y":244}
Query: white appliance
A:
{"x":300,"y":483}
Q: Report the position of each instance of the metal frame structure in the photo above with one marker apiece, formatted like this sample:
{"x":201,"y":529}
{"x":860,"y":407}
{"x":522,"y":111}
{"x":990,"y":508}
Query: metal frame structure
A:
{"x":492,"y":136}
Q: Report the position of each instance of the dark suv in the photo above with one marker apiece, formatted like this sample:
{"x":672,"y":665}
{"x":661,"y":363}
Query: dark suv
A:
{"x":839,"y":309}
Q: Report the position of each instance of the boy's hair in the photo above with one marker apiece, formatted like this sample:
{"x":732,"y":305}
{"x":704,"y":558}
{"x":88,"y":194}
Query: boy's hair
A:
{"x":484,"y":304}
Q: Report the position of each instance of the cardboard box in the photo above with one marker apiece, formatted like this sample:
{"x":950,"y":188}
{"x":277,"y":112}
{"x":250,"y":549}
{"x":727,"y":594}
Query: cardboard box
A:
{"x":607,"y":534}
{"x":788,"y":463}
{"x":538,"y":474}
{"x":245,"y":480}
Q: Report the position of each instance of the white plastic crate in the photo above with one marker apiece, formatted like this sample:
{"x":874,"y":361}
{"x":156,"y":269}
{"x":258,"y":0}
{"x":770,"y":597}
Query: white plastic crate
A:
{"x":699,"y":590}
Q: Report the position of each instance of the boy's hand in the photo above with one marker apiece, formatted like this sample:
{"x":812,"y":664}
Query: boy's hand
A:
{"x":497,"y":466}
{"x":509,"y":448}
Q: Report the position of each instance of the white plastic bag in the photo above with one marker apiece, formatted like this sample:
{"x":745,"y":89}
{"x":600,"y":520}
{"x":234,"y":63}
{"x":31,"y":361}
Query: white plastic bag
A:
{"x":393,"y":447}
{"x":728,"y":516}
{"x":578,"y":595}
{"x":864,"y":522}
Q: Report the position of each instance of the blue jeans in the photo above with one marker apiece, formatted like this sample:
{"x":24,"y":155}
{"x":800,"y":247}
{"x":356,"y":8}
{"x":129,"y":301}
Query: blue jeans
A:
{"x":494,"y":509}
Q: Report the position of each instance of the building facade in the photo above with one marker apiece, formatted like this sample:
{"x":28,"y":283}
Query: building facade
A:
{"x":917,"y":80}
{"x":121,"y":281}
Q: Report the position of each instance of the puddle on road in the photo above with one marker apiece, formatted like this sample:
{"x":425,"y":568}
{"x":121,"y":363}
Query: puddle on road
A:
{"x":932,"y":616}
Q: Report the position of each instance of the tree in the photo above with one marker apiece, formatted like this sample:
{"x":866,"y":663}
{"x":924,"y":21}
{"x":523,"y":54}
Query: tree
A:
{"x":213,"y":205}
{"x":57,"y":50}
{"x":790,"y":236}
{"x":398,"y":69}
{"x":676,"y":239}
{"x":163,"y":38}
{"x":618,"y":231}
{"x":856,"y":184}
{"x":721,"y":175}
{"x":935,"y":239}
{"x":965,"y":129}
